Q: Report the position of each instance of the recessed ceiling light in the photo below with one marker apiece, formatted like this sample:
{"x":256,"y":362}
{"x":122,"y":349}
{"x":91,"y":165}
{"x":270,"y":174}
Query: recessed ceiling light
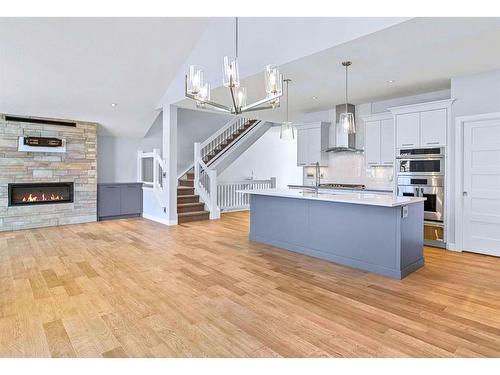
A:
{"x":113,"y":105}
{"x":315,"y":97}
{"x":391,"y":81}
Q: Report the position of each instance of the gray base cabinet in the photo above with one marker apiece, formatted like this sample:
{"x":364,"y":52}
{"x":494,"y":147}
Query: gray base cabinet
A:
{"x":119,"y":200}
{"x":371,"y":238}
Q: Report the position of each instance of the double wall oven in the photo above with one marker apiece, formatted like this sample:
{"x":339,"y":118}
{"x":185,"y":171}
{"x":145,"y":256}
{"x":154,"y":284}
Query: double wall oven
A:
{"x":421,"y":174}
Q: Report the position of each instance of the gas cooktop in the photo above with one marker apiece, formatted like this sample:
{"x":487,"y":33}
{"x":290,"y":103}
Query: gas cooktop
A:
{"x":343,"y":186}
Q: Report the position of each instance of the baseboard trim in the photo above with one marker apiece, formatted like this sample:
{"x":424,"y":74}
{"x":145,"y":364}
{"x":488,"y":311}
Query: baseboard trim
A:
{"x":453,"y":247}
{"x":159,"y":219}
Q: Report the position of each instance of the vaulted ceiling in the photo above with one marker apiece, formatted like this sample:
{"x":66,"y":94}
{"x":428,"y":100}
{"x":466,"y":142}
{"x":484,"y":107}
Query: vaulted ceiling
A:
{"x":419,"y":55}
{"x":77,"y":67}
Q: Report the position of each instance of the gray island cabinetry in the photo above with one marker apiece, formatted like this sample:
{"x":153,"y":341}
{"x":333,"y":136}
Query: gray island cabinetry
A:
{"x":377,"y":233}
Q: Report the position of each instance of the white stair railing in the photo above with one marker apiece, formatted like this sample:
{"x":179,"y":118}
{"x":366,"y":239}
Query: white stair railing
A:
{"x":212,"y":144}
{"x":205,"y":183}
{"x":151,"y":172}
{"x":228,"y":198}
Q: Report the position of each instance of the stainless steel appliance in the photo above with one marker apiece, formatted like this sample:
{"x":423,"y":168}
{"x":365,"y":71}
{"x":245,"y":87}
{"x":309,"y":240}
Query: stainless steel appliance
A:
{"x":430,"y":187}
{"x":421,"y":174}
{"x":427,"y":161}
{"x":343,"y":186}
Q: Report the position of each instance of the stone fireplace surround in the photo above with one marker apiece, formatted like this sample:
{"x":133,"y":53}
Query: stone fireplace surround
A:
{"x":78,"y":165}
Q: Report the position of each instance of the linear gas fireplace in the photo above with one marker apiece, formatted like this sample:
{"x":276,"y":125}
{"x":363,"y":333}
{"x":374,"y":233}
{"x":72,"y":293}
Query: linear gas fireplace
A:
{"x":40,"y":193}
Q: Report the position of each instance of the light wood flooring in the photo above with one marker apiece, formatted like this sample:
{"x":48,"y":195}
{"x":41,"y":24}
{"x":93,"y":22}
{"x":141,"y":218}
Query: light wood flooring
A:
{"x":140,"y":289}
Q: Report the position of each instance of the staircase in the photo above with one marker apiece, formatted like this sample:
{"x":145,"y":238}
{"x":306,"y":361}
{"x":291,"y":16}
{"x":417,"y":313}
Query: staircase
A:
{"x":219,"y":149}
{"x":197,"y":189}
{"x":189,"y":207}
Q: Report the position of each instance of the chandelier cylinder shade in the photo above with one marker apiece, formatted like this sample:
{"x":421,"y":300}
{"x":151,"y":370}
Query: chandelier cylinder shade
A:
{"x":273,"y":80}
{"x":241,"y":97}
{"x":195,"y":80}
{"x":231,"y":75}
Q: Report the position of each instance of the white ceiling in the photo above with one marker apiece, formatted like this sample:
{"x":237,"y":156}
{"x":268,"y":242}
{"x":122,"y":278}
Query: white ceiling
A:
{"x":420,"y":54}
{"x":76,"y":67}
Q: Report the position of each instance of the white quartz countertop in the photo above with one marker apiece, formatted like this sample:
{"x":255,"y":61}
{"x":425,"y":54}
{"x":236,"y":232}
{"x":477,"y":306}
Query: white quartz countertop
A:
{"x":370,"y":199}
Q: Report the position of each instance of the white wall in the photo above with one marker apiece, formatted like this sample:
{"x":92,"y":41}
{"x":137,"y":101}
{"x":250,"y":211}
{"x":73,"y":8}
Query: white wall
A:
{"x":195,"y":126}
{"x":268,"y":157}
{"x":474,"y":94}
{"x":117,"y":156}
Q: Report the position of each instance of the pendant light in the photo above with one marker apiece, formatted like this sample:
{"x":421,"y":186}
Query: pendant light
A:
{"x":346,"y":120}
{"x":286,"y":129}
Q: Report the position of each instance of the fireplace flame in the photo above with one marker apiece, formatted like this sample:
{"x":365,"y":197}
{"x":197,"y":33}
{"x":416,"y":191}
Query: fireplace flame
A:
{"x":42,"y":198}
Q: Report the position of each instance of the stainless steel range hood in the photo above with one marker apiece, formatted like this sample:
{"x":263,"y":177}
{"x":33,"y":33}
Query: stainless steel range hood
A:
{"x":344,"y":142}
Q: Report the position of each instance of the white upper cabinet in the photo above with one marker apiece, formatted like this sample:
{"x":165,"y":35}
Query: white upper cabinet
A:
{"x":423,"y":124}
{"x":312,"y":141}
{"x":302,"y":147}
{"x":372,"y":142}
{"x":379,"y":139}
{"x":433,"y":128}
{"x":408,"y":130}
{"x":387,"y":149}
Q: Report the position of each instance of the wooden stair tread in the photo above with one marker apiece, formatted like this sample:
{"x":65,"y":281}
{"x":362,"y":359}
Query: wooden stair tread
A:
{"x":190,"y":204}
{"x":194,"y":213}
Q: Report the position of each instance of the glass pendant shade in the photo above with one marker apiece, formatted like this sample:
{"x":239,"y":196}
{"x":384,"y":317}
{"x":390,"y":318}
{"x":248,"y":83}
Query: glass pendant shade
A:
{"x":347,"y":122}
{"x":273,"y":80}
{"x":287,"y":132}
{"x":195,"y":80}
{"x":241,"y":97}
{"x":231,"y":76}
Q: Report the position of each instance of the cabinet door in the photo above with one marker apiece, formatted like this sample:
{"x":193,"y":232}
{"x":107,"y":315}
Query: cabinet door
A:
{"x":387,"y":149}
{"x":302,"y":141}
{"x":408,"y":130}
{"x":314,"y":145}
{"x":433,"y":128}
{"x":108,"y":201}
{"x":372,"y":142}
{"x":131,"y":199}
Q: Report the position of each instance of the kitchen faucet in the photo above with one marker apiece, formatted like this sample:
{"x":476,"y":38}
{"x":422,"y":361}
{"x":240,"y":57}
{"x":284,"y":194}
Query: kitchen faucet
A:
{"x":318,"y":177}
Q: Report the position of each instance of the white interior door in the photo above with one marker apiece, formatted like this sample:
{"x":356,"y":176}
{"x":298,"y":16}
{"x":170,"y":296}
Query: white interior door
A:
{"x":481,"y":181}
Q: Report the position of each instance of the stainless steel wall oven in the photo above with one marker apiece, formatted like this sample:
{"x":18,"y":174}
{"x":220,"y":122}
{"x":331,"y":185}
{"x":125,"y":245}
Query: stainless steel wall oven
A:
{"x":421,"y":174}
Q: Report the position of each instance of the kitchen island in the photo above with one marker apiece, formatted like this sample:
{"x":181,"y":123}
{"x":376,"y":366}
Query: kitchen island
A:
{"x":373,"y":232}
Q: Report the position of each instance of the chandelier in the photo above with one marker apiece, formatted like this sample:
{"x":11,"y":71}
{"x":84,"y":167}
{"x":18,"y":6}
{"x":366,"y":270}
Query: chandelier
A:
{"x":198,"y":90}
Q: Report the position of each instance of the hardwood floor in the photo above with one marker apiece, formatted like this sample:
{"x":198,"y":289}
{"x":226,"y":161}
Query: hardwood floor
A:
{"x":140,"y":289}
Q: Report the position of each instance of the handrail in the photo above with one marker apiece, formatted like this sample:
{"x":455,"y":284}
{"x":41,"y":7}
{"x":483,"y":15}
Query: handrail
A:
{"x":220,"y":136}
{"x":219,"y":132}
{"x":157,"y":173}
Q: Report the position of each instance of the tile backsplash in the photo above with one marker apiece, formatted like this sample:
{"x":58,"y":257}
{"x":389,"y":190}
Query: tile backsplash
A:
{"x":350,"y":168}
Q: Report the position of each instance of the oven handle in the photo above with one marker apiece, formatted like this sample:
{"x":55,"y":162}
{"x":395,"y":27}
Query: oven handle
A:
{"x":420,"y":157}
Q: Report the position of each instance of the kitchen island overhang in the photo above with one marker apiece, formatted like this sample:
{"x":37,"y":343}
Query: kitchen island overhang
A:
{"x":376,"y":233}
